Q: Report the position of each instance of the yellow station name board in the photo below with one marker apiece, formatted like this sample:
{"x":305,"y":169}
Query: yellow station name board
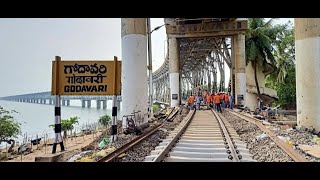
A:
{"x":86,"y":77}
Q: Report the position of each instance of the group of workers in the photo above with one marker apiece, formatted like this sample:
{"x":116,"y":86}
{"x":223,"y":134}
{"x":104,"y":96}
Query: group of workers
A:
{"x":215,"y":100}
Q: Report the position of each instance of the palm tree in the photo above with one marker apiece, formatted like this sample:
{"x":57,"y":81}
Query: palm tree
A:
{"x":285,"y":54}
{"x":259,"y":39}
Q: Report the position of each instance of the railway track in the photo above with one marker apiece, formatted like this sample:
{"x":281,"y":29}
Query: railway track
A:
{"x":203,"y":136}
{"x":285,"y":147}
{"x":112,"y":156}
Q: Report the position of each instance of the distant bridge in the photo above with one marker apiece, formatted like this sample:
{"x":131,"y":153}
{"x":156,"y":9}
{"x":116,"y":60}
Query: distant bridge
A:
{"x":42,"y":98}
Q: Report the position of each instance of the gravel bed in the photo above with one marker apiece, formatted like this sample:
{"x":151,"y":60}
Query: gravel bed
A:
{"x":264,"y":150}
{"x":298,"y":137}
{"x":140,"y":151}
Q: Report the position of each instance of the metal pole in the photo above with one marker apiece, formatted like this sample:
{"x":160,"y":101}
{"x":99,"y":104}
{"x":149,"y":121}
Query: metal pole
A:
{"x":7,"y":150}
{"x":57,"y":111}
{"x":150,"y":68}
{"x":45,"y":143}
{"x":37,"y":141}
{"x":114,"y":106}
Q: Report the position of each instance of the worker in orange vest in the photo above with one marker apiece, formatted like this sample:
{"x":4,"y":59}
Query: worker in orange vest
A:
{"x":208,"y":98}
{"x":191,"y":102}
{"x":217,"y":102}
{"x":226,"y":100}
{"x":221,"y":100}
{"x":212,"y":100}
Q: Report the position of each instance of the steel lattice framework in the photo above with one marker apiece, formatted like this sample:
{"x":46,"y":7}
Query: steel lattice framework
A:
{"x":200,"y":60}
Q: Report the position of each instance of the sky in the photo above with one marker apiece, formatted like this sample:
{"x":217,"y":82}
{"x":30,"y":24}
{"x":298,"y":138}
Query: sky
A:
{"x":28,"y":46}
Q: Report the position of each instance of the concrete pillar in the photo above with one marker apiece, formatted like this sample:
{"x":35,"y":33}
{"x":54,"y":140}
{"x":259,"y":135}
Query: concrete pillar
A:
{"x":68,"y":102}
{"x":134,"y":66}
{"x":174,"y":79}
{"x":83,"y":103}
{"x":50,"y":101}
{"x":89,"y":103}
{"x":63,"y":102}
{"x":240,"y":68}
{"x":104,"y":104}
{"x":307,"y":40}
{"x":37,"y":101}
{"x":98,"y":104}
{"x":118,"y":105}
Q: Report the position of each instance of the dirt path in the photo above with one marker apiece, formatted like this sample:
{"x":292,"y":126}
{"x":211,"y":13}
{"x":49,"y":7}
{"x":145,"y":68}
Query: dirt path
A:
{"x":70,"y":145}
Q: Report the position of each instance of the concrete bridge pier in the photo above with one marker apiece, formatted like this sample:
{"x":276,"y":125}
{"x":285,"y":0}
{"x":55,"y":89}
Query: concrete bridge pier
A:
{"x":240,"y":69}
{"x":118,"y":105}
{"x":134,"y":66}
{"x":98,"y":104}
{"x":89,"y":103}
{"x":104,"y":104}
{"x":174,"y":79}
{"x":63,"y":102}
{"x":307,"y":40}
{"x":83,"y":103}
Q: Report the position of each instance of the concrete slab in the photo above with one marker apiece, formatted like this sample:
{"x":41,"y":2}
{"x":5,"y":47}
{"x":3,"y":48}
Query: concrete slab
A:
{"x":49,"y":157}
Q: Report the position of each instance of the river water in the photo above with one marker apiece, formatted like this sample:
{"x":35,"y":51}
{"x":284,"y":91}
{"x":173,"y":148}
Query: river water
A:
{"x":36,"y":118}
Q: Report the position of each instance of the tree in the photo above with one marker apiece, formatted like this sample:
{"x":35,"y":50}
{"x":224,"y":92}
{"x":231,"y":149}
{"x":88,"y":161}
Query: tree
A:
{"x":104,"y":120}
{"x":258,"y":46}
{"x":156,"y":108}
{"x":283,"y":78}
{"x":9,"y":128}
{"x":67,"y":125}
{"x":285,"y":52}
{"x":287,"y":90}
